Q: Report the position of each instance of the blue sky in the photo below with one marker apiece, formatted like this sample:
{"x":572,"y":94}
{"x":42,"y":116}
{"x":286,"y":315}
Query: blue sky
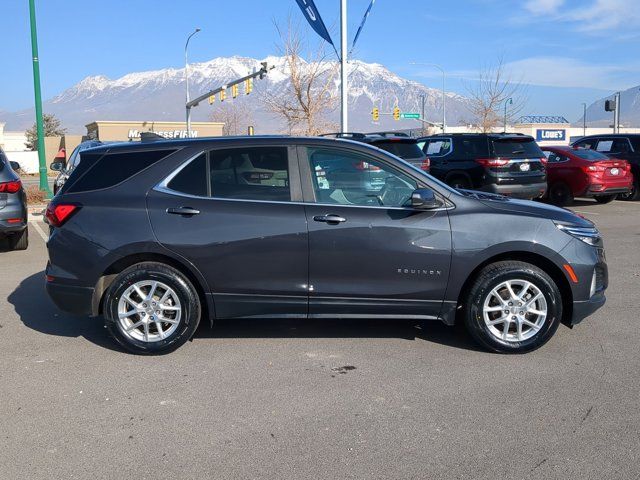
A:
{"x":568,"y":51}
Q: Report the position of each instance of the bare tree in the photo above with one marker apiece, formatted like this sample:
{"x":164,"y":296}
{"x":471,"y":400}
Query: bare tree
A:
{"x":488,"y":96}
{"x":52,"y":128}
{"x":311,"y":93}
{"x":235,"y":115}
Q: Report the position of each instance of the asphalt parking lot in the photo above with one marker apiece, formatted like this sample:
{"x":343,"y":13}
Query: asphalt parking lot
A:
{"x":321,"y":399}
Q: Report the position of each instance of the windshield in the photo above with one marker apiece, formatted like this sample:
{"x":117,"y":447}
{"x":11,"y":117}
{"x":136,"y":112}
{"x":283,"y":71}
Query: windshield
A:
{"x":587,"y":154}
{"x":401,"y":149}
{"x":516,"y":148}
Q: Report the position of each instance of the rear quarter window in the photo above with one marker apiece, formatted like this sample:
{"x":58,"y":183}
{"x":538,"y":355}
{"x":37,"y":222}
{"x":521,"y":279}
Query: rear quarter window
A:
{"x":97,"y":171}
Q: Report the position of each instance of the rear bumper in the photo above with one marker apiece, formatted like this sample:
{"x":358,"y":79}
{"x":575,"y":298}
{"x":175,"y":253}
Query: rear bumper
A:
{"x":528,"y":191}
{"x":71,"y":298}
{"x":13,"y":211}
{"x":607,"y":191}
{"x":582,"y":310}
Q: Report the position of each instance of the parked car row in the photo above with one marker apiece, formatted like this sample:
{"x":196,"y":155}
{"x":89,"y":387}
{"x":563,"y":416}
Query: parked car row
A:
{"x":604,"y":167}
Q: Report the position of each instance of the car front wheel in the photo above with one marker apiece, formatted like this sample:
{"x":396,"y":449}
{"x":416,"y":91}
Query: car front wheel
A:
{"x":151,"y":308}
{"x":512,"y":307}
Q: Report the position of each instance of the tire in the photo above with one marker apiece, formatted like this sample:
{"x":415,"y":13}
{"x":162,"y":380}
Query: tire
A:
{"x":560,"y":194}
{"x":459,"y":182}
{"x":634,"y":194}
{"x":605,"y":198}
{"x":20,"y":240}
{"x":491,"y":281}
{"x":179,"y":305}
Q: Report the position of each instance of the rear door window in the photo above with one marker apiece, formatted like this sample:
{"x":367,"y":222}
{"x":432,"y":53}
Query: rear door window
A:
{"x":588,"y":143}
{"x":439,"y":147}
{"x":257,"y":173}
{"x":604,"y":146}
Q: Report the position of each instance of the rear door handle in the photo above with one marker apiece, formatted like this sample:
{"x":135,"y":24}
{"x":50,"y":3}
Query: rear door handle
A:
{"x":331,"y":219}
{"x":187,"y":211}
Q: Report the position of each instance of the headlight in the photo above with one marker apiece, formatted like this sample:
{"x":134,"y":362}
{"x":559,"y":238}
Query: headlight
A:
{"x":588,"y":235}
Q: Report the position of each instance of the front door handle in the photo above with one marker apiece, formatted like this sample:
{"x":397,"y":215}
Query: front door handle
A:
{"x":331,"y":219}
{"x":187,"y":211}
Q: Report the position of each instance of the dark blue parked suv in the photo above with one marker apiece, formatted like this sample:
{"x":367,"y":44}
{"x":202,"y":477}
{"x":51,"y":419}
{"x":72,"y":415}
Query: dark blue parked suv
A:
{"x":156,"y":237}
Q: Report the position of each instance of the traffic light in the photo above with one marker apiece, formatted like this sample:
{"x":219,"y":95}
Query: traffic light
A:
{"x":212,"y":99}
{"x":396,"y":113}
{"x":234,"y":90}
{"x":609,"y":105}
{"x":248,"y":86}
{"x":223,"y":95}
{"x":375,"y":114}
{"x":263,"y":70}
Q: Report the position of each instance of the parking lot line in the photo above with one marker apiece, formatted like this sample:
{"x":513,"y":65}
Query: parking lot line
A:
{"x":39,"y":230}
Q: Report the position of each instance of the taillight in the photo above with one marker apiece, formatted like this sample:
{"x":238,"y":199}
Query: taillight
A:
{"x":492,"y":162}
{"x":544,"y":160}
{"x":594,"y":168}
{"x":57,"y":215}
{"x":10,"y":187}
{"x":426,"y":164}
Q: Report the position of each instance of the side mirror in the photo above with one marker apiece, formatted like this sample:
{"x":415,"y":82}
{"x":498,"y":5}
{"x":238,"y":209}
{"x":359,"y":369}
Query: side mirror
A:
{"x":57,"y":166}
{"x":424,"y":199}
{"x":15,"y":166}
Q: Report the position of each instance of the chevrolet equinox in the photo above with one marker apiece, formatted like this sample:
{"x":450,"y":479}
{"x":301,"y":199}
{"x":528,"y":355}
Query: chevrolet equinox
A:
{"x":156,"y":237}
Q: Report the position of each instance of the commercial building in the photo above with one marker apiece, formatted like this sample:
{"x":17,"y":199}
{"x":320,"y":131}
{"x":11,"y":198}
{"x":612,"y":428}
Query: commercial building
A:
{"x":108,"y":131}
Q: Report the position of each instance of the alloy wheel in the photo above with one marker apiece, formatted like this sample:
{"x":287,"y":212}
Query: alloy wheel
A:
{"x":514,"y":311}
{"x":149,"y":311}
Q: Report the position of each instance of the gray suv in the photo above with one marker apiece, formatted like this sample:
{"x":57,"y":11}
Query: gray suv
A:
{"x":13,"y":206}
{"x":158,"y":237}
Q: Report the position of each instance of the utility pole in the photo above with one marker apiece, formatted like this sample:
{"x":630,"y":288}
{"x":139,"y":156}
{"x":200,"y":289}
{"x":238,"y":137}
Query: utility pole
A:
{"x":186,"y":81}
{"x":44,"y":183}
{"x":444,"y":96}
{"x":422,"y":98}
{"x":508,"y":101}
{"x":584,"y":119}
{"x":344,"y":88}
{"x":616,"y":115}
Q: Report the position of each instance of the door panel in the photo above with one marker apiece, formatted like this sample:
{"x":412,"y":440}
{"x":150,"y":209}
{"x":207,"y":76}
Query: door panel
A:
{"x":370,"y":255}
{"x":378,"y":262}
{"x":253,"y":253}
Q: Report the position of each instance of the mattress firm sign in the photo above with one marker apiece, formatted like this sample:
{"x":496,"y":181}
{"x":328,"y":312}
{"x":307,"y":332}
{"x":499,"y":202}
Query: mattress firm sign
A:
{"x":550,"y":135}
{"x":135,"y":134}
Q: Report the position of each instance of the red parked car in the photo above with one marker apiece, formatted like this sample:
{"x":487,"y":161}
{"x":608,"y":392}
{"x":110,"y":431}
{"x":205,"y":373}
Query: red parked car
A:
{"x":579,"y":172}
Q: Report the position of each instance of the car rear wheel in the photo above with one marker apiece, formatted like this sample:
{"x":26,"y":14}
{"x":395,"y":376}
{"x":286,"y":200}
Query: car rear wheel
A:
{"x":512,"y":307}
{"x":151,"y":308}
{"x":605,"y":198}
{"x":20,"y":240}
{"x":560,"y":194}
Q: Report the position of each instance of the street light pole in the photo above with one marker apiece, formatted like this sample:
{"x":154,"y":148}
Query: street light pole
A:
{"x":44,"y":183}
{"x":584,"y":119}
{"x":344,"y":88}
{"x":508,"y":101}
{"x":444,"y":101}
{"x":186,"y":81}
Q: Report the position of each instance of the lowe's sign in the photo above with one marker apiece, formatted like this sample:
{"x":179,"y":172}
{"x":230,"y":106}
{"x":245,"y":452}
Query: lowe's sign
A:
{"x":546,"y":135}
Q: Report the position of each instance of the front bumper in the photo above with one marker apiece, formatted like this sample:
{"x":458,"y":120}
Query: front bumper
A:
{"x":527,"y":191}
{"x":582,"y":310}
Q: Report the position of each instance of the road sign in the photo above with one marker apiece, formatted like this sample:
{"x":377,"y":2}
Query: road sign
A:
{"x":409,"y":115}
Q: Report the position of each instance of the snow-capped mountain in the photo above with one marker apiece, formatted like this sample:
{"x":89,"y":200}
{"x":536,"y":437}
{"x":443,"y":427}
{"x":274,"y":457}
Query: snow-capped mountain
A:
{"x":629,"y":110}
{"x":159,"y":95}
